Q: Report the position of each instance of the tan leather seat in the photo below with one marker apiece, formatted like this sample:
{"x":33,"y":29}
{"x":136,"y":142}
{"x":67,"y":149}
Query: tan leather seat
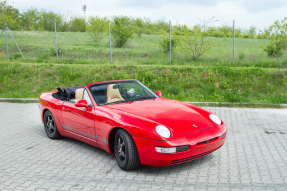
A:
{"x":79,"y":94}
{"x":113,"y":94}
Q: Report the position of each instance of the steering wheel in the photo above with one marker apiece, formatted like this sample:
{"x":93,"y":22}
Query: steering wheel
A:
{"x":136,"y":94}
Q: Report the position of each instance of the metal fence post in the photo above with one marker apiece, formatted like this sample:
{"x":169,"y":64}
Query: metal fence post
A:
{"x":233,"y":39}
{"x":110,"y":41}
{"x":170,"y":41}
{"x":16,"y":44}
{"x":56,"y":40}
{"x":7,"y":41}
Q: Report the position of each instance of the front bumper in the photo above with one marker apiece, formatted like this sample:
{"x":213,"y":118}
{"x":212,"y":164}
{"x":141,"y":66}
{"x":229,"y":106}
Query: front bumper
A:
{"x":200,"y":143}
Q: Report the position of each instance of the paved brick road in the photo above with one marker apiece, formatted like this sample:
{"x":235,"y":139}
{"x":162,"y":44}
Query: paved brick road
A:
{"x":253,"y":158}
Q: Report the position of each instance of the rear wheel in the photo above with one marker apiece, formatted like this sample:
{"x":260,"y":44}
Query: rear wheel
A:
{"x":50,"y":126}
{"x":125,"y":151}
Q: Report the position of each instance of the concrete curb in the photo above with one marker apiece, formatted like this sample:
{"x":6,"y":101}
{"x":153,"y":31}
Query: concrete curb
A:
{"x":230,"y":103}
{"x":18,"y":99}
{"x":202,"y":103}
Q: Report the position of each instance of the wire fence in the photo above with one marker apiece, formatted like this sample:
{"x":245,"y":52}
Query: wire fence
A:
{"x":79,"y":48}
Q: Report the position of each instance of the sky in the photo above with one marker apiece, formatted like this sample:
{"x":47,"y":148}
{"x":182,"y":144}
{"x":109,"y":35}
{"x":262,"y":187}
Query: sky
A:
{"x":246,"y":13}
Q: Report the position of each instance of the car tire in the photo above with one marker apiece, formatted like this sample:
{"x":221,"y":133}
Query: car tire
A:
{"x":125,"y":151}
{"x":50,"y":126}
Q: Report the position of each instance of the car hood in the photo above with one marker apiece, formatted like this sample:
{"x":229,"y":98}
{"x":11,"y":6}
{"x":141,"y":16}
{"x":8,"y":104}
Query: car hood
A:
{"x":169,"y":113}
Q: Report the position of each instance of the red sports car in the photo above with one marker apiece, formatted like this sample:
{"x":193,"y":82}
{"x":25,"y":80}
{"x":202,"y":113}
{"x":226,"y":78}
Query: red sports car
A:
{"x":127,"y":119}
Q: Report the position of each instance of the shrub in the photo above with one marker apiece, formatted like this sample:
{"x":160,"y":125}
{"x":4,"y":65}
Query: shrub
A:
{"x":53,"y":51}
{"x":278,"y":38}
{"x":121,"y":30}
{"x":78,"y":24}
{"x":165,"y":42}
{"x":97,"y":28}
{"x":16,"y":55}
{"x":274,"y":49}
{"x":195,"y":45}
{"x":241,"y":56}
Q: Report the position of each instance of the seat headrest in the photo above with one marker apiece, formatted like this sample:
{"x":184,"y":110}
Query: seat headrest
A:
{"x":113,"y":94}
{"x":79,"y":94}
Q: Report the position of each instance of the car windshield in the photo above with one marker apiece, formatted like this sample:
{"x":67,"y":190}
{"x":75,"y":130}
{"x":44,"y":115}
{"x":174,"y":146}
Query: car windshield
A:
{"x":120,"y":92}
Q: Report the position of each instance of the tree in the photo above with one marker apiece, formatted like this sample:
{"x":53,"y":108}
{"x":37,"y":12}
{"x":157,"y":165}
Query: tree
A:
{"x":252,"y":32}
{"x":265,"y":34}
{"x":78,"y":24}
{"x":48,"y":19}
{"x":162,"y":25}
{"x":30,"y":19}
{"x":195,"y":44}
{"x":97,"y":27}
{"x":8,"y":14}
{"x":226,"y":31}
{"x":139,"y":26}
{"x":122,"y":30}
{"x":278,"y":37}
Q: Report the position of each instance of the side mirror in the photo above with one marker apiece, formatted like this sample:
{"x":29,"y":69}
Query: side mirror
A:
{"x":82,"y":103}
{"x":158,"y":93}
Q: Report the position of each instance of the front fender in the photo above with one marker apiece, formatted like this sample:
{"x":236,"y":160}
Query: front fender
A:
{"x":205,"y":113}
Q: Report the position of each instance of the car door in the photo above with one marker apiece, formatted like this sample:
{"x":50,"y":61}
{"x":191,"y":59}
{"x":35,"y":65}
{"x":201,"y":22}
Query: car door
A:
{"x":80,"y":121}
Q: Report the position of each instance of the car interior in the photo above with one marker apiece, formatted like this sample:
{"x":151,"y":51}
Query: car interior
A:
{"x":102,"y":93}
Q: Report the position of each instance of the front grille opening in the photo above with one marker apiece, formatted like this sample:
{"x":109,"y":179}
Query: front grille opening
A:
{"x":207,"y":141}
{"x":192,"y":157}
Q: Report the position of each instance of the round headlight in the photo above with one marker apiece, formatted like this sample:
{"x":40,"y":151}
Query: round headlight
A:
{"x":215,"y":119}
{"x":163,"y":131}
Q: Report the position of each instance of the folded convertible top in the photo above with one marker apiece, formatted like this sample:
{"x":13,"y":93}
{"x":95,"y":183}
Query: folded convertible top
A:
{"x":68,"y":93}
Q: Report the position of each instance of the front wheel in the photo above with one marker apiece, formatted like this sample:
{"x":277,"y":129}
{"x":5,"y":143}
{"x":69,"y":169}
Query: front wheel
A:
{"x":125,"y":151}
{"x":50,"y":126}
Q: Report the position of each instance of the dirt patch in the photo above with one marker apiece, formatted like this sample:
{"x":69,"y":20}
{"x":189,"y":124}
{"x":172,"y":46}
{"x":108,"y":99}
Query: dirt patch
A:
{"x":205,"y":76}
{"x":167,"y":71}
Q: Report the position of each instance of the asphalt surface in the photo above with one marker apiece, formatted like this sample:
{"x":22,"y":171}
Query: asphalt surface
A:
{"x":254,"y":157}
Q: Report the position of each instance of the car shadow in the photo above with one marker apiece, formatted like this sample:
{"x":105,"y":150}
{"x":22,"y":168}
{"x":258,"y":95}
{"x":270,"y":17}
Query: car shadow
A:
{"x":174,"y":169}
{"x":112,"y":166}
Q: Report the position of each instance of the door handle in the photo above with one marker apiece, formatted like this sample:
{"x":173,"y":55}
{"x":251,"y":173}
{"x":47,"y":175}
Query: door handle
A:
{"x":65,"y":109}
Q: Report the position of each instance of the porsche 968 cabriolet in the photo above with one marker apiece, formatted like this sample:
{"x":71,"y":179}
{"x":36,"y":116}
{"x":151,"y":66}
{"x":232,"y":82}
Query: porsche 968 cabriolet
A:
{"x":126,"y":118}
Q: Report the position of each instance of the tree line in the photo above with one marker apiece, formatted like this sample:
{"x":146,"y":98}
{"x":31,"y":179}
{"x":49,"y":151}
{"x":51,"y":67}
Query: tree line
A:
{"x":33,"y":19}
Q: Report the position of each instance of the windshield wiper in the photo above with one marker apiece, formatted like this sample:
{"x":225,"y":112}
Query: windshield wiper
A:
{"x":129,"y":100}
{"x":122,"y":101}
{"x":140,"y":98}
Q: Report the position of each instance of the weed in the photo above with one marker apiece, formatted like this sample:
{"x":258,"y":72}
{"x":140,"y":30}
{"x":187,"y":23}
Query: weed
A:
{"x":241,"y":56}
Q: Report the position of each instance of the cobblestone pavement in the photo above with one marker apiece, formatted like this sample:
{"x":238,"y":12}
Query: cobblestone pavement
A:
{"x":254,"y":157}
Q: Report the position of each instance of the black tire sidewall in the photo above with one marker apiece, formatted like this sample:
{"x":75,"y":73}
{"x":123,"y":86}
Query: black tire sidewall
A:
{"x":129,"y":149}
{"x":118,"y":134}
{"x":54,"y":135}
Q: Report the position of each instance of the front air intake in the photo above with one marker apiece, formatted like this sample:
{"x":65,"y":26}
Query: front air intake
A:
{"x":207,"y":141}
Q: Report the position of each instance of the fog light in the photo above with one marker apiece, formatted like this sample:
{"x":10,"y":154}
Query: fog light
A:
{"x":172,"y":149}
{"x":165,"y":149}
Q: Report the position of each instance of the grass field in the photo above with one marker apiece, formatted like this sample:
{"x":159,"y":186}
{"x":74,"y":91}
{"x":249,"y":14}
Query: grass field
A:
{"x":254,"y":78}
{"x":80,"y":48}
